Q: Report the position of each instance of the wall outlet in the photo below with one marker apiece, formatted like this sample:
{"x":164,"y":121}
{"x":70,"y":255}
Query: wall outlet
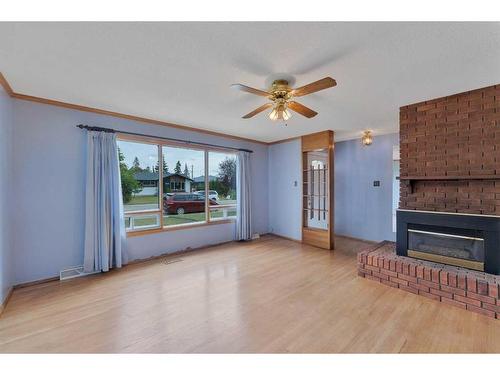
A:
{"x":376,"y":183}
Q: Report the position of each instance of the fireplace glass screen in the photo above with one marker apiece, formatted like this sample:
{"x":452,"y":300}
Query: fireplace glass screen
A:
{"x":447,"y":248}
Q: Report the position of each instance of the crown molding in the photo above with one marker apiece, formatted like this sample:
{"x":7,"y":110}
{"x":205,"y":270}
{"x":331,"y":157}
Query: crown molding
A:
{"x":6,"y":85}
{"x":284,"y":140}
{"x":8,"y":89}
{"x":337,"y":139}
{"x":128,"y":117}
{"x":36,"y":99}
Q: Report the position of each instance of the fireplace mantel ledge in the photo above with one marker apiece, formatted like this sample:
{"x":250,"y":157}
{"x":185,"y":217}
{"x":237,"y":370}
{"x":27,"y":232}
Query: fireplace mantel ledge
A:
{"x":448,"y":213}
{"x":414,"y":179}
{"x":450,"y":177}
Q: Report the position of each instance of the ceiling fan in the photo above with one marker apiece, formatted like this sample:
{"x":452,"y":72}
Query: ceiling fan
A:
{"x":281,"y":96}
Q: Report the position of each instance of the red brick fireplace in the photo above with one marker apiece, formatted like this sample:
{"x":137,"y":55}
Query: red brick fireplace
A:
{"x":448,"y":222}
{"x":450,"y":163}
{"x":450,"y":153}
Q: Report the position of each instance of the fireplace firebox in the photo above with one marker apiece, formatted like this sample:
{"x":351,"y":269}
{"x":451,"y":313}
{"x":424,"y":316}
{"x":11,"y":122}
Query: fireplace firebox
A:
{"x":470,"y":241}
{"x":440,"y":246}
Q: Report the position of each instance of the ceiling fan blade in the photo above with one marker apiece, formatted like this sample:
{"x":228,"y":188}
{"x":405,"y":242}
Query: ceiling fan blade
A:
{"x":251,"y":90}
{"x":302,"y":109}
{"x":322,"y":84}
{"x":258,"y":110}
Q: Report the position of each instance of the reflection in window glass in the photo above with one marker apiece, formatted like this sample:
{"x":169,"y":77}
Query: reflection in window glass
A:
{"x":222,"y":185}
{"x":183,"y":186}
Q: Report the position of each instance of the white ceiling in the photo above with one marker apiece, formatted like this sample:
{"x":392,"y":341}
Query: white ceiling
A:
{"x":181,"y":72}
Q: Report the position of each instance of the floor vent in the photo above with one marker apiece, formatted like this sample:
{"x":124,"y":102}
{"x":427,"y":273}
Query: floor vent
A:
{"x":171,"y":260}
{"x":71,"y":273}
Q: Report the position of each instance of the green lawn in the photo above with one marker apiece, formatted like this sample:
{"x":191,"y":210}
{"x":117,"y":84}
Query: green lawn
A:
{"x":150,"y":199}
{"x":143,"y":199}
{"x":192,"y":218}
{"x":183,"y":219}
{"x":138,"y":222}
{"x":169,"y":220}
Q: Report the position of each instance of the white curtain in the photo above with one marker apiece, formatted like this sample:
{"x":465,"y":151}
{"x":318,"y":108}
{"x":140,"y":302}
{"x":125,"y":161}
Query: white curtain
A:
{"x":104,"y":222}
{"x":244,"y":217}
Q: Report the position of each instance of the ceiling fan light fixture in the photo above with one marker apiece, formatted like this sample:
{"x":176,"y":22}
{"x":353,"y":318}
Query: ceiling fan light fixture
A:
{"x":280,"y":112}
{"x":281,"y":96}
{"x":274,"y":114}
{"x":286,"y":114}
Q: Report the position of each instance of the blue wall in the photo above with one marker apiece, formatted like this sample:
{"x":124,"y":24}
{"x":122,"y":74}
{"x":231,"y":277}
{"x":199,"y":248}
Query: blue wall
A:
{"x":6,"y":251}
{"x":48,"y":164}
{"x":44,"y":159}
{"x":362,"y":210}
{"x":285,"y":203}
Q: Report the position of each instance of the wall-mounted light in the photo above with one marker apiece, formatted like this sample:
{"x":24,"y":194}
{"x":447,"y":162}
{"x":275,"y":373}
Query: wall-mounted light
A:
{"x":367,"y":138}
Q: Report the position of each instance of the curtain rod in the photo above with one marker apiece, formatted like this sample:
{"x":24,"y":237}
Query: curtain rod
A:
{"x":109,"y":130}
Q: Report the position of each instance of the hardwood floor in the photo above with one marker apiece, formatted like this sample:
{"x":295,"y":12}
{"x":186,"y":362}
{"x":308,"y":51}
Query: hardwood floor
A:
{"x":269,"y":295}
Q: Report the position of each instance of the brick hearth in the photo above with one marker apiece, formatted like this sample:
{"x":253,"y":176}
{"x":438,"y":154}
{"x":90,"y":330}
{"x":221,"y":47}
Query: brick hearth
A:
{"x":471,"y":290}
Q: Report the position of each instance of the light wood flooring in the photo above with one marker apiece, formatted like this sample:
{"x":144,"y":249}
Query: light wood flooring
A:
{"x":271,"y":295}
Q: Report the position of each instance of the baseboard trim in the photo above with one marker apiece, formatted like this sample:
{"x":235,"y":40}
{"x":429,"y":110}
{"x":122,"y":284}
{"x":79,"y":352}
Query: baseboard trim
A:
{"x":336,"y":235}
{"x":174,"y":253}
{"x":185,"y":251}
{"x":3,"y":305}
{"x":357,"y":239}
{"x":36,"y":282}
{"x":284,"y":237}
{"x":171,"y":254}
{"x":131,"y":263}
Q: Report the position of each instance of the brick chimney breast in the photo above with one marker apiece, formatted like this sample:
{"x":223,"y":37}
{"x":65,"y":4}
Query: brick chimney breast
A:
{"x":457,"y":135}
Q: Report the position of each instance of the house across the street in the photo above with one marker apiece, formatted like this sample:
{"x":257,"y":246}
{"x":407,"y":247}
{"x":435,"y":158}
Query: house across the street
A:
{"x":172,"y":182}
{"x":199,"y":182}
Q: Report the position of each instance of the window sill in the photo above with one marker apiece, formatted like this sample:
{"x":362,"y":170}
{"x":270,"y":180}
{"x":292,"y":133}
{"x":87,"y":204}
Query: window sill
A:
{"x":144,"y":232}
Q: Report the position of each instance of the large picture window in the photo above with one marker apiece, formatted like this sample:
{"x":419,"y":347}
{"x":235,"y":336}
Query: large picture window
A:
{"x":166,"y":186}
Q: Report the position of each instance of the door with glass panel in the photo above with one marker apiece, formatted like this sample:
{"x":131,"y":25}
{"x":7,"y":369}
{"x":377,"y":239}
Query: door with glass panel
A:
{"x":317,"y":190}
{"x":317,"y":199}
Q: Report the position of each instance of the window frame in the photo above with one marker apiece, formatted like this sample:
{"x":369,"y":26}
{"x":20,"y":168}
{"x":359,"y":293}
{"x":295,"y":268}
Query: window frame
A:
{"x":207,"y":190}
{"x":160,"y":143}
